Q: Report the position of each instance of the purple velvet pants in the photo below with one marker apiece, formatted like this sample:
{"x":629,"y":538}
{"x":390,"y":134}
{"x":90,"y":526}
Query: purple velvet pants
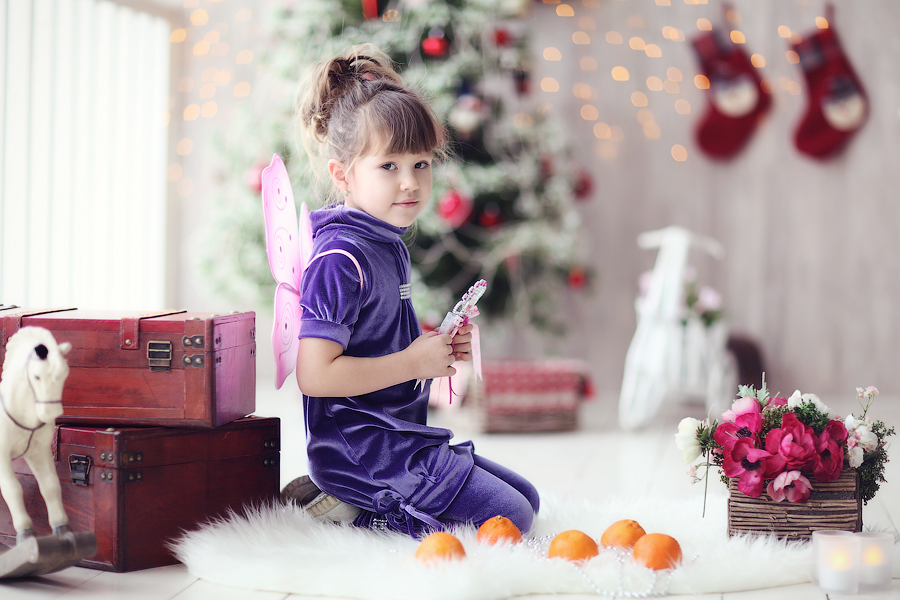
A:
{"x":492,"y":490}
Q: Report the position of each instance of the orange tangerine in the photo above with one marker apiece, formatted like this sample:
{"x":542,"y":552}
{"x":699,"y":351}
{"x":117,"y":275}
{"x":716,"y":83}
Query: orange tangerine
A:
{"x":573,"y":545}
{"x":497,"y":529}
{"x":440,"y":546}
{"x":622,"y":534}
{"x":657,"y":551}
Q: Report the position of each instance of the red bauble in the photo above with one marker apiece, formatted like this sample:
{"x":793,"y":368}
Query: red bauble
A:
{"x":501,"y":37}
{"x":490,"y":216}
{"x":436,"y":44}
{"x":584,"y":185}
{"x":254,"y":177}
{"x":577,"y":278}
{"x":455,"y":209}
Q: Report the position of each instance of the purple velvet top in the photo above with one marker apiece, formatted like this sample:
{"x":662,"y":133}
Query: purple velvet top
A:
{"x":374,"y":450}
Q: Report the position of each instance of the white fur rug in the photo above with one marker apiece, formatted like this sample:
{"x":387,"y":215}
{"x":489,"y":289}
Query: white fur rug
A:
{"x":282,"y":549}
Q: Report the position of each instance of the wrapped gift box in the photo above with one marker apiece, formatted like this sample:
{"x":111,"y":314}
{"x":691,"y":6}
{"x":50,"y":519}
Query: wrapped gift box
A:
{"x":527,"y":395}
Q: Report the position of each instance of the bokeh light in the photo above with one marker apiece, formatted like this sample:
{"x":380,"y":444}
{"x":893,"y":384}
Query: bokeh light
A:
{"x":587,"y":63}
{"x":586,"y":23}
{"x":821,"y":22}
{"x":620,"y":74}
{"x":738,"y":37}
{"x":583,"y":91}
{"x":522,"y":121}
{"x":674,"y":73}
{"x":207,"y":90}
{"x":191,"y":112}
{"x":173,"y":173}
{"x":704,"y":25}
{"x":199,"y":17}
{"x":682,"y":107}
{"x":391,"y":16}
{"x":177,"y":36}
{"x":792,"y":57}
{"x":637,"y":43}
{"x":701,"y":82}
{"x":552,"y":54}
{"x":548,"y":84}
{"x":184,"y":147}
{"x":653,"y":51}
{"x":639,"y":99}
{"x":758,"y":61}
{"x":201,"y":48}
{"x":614,"y":37}
{"x":679,"y":153}
{"x":564,"y":10}
{"x":244,"y":57}
{"x":654,"y":84}
{"x":602,"y":131}
{"x":242,"y":90}
{"x":581,"y":38}
{"x":652,"y":131}
{"x":589,"y":112}
{"x":209,"y":109}
{"x":784,"y":31}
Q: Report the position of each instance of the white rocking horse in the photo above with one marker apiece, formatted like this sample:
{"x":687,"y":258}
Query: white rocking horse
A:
{"x":665,"y":355}
{"x":34,"y":372}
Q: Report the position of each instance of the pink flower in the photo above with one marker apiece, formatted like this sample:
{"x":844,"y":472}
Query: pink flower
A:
{"x":750,"y":465}
{"x":795,"y":443}
{"x":780,"y":401}
{"x":727,"y":434}
{"x":831,"y":452}
{"x":791,"y":485}
{"x":741,"y":406}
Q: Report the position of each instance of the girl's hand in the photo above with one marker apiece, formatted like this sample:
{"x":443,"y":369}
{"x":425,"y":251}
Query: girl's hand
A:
{"x":431,"y":355}
{"x":462,"y":343}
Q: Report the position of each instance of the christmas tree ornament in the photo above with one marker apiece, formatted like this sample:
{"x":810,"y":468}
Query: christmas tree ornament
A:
{"x":584,"y":185}
{"x":577,"y":277}
{"x":436,"y":44}
{"x":490,"y":215}
{"x":467,"y":115}
{"x":838,"y":105}
{"x":455,"y":208}
{"x":523,"y":81}
{"x":502,"y":37}
{"x":737,"y":98}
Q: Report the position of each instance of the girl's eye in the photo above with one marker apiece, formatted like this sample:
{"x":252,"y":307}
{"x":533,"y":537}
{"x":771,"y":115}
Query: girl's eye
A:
{"x":389,"y":166}
{"x":422,"y":165}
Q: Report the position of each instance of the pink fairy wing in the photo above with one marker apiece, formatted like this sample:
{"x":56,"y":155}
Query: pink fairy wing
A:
{"x":282,"y":234}
{"x":285,"y":330}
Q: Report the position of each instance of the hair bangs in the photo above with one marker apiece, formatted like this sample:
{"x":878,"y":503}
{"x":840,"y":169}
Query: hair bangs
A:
{"x":402,"y":124}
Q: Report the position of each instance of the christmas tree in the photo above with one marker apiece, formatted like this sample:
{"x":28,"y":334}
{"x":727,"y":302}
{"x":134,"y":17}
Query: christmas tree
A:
{"x":503,"y":209}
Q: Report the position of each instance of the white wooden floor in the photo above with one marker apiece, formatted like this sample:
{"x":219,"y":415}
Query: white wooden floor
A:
{"x":587,"y":463}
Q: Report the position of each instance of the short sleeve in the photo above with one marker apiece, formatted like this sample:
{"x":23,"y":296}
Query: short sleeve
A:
{"x":331,"y":296}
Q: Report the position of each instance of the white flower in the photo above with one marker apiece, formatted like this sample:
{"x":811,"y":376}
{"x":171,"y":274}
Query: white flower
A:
{"x":855,"y":456}
{"x":797,"y":399}
{"x":686,"y":439}
{"x":867,"y":440}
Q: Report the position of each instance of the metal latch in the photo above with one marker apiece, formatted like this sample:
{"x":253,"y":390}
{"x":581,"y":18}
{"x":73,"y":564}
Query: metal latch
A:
{"x":159,"y":355}
{"x":79,"y":468}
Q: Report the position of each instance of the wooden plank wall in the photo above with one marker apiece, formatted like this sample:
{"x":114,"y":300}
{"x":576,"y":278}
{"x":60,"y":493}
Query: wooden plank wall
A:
{"x":812,"y":251}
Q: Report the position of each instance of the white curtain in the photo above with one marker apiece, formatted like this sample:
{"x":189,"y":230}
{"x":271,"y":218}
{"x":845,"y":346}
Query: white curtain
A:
{"x":84,"y":88}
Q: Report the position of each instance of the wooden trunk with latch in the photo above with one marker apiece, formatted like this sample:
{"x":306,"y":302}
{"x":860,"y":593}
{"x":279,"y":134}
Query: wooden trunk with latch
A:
{"x":170,"y":368}
{"x":138,"y":489}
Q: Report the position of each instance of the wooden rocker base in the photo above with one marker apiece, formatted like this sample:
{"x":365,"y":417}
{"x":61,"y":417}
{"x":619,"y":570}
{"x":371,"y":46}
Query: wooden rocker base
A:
{"x":45,"y":554}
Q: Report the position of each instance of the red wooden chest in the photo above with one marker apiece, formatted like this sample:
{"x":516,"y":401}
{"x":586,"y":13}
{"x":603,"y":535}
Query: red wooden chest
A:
{"x":173,"y":368}
{"x":139,"y":488}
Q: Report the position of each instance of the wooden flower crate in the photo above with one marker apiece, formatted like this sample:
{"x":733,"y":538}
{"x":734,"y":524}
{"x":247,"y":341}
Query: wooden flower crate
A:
{"x":832,"y":505}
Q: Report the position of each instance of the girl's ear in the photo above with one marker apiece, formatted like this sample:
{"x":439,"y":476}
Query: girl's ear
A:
{"x":338,"y":174}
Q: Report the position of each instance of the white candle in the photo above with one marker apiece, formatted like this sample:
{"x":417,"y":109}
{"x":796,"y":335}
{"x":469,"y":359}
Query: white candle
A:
{"x":837,"y":565}
{"x":816,"y":543}
{"x":875,"y":560}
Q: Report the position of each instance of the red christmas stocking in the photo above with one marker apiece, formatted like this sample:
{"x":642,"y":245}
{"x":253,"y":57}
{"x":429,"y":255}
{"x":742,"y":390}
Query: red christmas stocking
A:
{"x":838,"y":105}
{"x":737,"y":100}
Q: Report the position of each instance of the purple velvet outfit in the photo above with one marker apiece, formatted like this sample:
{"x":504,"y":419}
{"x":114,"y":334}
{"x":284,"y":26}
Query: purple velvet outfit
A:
{"x":375,"y":450}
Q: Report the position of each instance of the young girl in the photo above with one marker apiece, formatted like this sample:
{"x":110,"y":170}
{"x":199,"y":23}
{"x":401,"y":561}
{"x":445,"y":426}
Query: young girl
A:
{"x":372,"y":458}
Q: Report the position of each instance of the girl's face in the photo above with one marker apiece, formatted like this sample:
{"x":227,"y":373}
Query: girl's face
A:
{"x":394,"y":188}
